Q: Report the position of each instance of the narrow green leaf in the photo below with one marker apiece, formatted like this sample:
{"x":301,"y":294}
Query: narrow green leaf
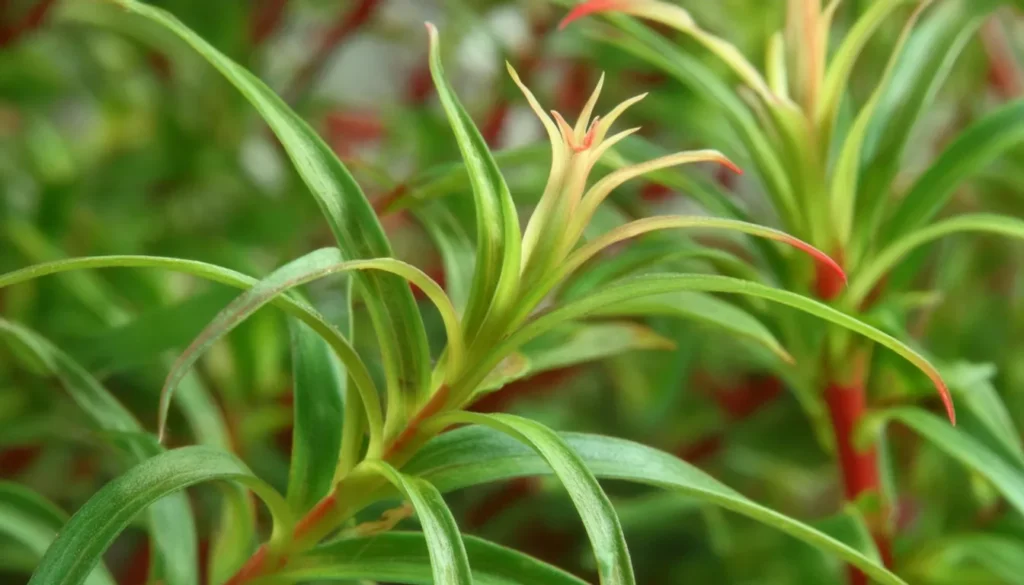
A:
{"x":475,"y":455}
{"x":403,"y":557}
{"x":448,"y":559}
{"x":643,"y":286}
{"x":881,"y":263}
{"x":172,"y":528}
{"x":975,"y":148}
{"x":496,"y":275}
{"x":1000,"y":554}
{"x":32,"y":520}
{"x":318,"y":382}
{"x":593,"y":506}
{"x":1008,"y":479}
{"x":702,"y":308}
{"x":315,"y":265}
{"x":80,"y":545}
{"x":398,"y":324}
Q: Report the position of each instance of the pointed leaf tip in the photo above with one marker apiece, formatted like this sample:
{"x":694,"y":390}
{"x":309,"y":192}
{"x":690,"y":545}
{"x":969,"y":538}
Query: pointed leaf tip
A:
{"x":823,"y":259}
{"x":588,"y":8}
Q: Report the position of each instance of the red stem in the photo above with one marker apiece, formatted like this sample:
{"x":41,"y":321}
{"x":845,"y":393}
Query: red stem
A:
{"x":847,"y":405}
{"x":33,"y":19}
{"x":266,"y":19}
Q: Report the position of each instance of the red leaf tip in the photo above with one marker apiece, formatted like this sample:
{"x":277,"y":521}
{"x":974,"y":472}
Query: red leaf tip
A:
{"x":588,"y":8}
{"x":947,"y":398}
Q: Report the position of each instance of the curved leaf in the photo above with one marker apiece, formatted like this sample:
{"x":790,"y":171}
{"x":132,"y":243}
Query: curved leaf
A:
{"x":402,"y":557}
{"x":79,"y":546}
{"x":448,"y":559}
{"x":475,"y":455}
{"x":702,"y":308}
{"x":1009,"y":479}
{"x":979,"y":145}
{"x":28,"y":518}
{"x":665,"y":283}
{"x":886,"y":259}
{"x":496,"y":275}
{"x":308,"y":268}
{"x":594,"y":507}
{"x":398,"y":324}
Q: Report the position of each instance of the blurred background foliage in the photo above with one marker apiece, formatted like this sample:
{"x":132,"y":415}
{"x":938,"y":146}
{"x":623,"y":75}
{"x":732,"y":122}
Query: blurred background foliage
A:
{"x":112,"y":145}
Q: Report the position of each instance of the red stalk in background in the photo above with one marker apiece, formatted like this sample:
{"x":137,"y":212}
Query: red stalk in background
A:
{"x":33,"y":19}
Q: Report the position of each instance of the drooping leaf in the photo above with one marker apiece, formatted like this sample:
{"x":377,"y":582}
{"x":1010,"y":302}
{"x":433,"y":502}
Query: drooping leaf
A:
{"x":476,"y":455}
{"x":398,"y":324}
{"x":80,"y":545}
{"x":594,"y":507}
{"x":318,"y":383}
{"x":29,"y":519}
{"x":455,"y":248}
{"x":403,"y":557}
{"x":448,"y":559}
{"x":651,"y":285}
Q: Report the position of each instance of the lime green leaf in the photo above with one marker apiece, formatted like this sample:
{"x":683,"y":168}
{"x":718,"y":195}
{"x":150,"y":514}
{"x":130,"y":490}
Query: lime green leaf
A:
{"x":496,"y":274}
{"x":978,"y":146}
{"x":643,"y":286}
{"x":317,"y":385}
{"x":594,"y":507}
{"x":999,"y":554}
{"x":702,"y":308}
{"x":234,"y":538}
{"x":33,"y":521}
{"x":80,"y":544}
{"x":398,"y":324}
{"x":448,"y":559}
{"x":881,"y":263}
{"x":402,"y":557}
{"x":476,"y":455}
{"x":1008,"y":479}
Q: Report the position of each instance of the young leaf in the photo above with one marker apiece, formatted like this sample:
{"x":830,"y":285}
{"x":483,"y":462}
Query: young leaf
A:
{"x":318,"y":382}
{"x":448,"y":559}
{"x":80,"y":545}
{"x":496,"y":274}
{"x":593,"y":506}
{"x":398,"y":324}
{"x":33,"y":521}
{"x":1008,"y":479}
{"x":476,"y":455}
{"x":403,"y":557}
